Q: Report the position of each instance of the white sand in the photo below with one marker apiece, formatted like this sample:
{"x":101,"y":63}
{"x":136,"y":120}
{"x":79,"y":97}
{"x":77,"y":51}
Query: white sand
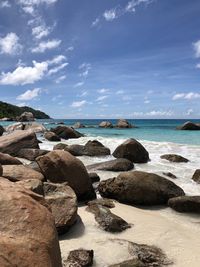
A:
{"x":177,"y":234}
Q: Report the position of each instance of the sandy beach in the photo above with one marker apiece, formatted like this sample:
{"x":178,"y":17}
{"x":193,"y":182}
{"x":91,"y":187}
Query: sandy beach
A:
{"x":175,"y":233}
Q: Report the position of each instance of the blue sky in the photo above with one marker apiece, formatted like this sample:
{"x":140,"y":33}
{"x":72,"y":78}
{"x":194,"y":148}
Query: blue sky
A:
{"x":100,"y":58}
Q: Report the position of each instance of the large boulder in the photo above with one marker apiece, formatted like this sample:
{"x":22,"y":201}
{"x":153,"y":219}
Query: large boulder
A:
{"x":28,"y":233}
{"x":63,"y":203}
{"x":33,"y":126}
{"x":13,"y":142}
{"x":189,"y":126}
{"x":78,"y":125}
{"x":50,"y":136}
{"x":140,"y":188}
{"x":196,"y":176}
{"x":6,"y":159}
{"x":174,"y":158}
{"x":132,"y":150}
{"x":26,"y":116}
{"x":31,"y":153}
{"x":59,"y":166}
{"x":185,"y":204}
{"x":122,"y":123}
{"x":115,"y":165}
{"x":20,"y":172}
{"x":2,"y":130}
{"x":105,"y":124}
{"x":91,"y":148}
{"x":34,"y":185}
{"x":66,"y":132}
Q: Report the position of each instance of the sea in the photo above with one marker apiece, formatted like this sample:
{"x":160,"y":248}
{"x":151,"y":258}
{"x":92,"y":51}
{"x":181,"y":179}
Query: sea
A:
{"x":157,"y":136}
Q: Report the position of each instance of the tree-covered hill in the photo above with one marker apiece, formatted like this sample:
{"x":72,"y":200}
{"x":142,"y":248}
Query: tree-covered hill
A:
{"x":12,"y":111}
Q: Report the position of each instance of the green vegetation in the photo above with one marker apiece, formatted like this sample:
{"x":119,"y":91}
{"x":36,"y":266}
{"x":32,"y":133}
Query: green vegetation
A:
{"x":12,"y":111}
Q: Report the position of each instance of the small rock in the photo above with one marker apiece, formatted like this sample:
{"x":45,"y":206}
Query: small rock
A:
{"x":60,"y":146}
{"x":79,"y":258}
{"x":50,"y":136}
{"x":6,"y":159}
{"x":189,"y":126}
{"x":196,"y":176}
{"x":78,"y":125}
{"x":105,"y":124}
{"x":129,"y":263}
{"x":66,"y":132}
{"x":170,"y":175}
{"x":122,"y":123}
{"x":94,"y":177}
{"x":106,"y":202}
{"x":174,"y":158}
{"x":185,"y":204}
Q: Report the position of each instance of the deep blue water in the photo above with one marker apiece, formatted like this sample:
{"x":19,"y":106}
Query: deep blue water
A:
{"x":151,"y":130}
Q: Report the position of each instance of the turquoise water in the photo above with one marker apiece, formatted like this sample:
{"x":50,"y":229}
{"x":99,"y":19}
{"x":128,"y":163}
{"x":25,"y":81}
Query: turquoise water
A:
{"x":151,"y":130}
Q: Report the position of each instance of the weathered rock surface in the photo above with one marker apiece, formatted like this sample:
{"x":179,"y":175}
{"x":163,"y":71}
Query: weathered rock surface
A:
{"x":20,"y":172}
{"x":6,"y":159}
{"x":105,"y":202}
{"x":122,"y":123}
{"x":189,"y":126}
{"x":132,"y":150}
{"x":170,"y":175}
{"x":31,"y":153}
{"x":94,"y":177}
{"x":105,"y":124}
{"x":2,"y":130}
{"x":115,"y":165}
{"x":34,"y":185}
{"x":107,"y":220}
{"x":196,"y":176}
{"x":140,"y":188}
{"x":79,"y":258}
{"x":174,"y":158}
{"x":78,"y":125}
{"x":34,"y":165}
{"x":59,"y":166}
{"x":13,"y":142}
{"x":28,"y":233}
{"x":66,"y":132}
{"x":60,"y":146}
{"x":92,"y":148}
{"x":185,"y":204}
{"x":50,"y":136}
{"x":1,"y":170}
{"x":26,"y":116}
{"x":33,"y":126}
{"x":142,"y":255}
{"x":63,"y":203}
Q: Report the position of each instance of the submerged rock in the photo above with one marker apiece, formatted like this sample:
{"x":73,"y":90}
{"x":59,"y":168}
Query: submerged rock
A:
{"x":60,"y":166}
{"x":13,"y":142}
{"x":91,"y":148}
{"x":63,"y":203}
{"x":174,"y":158}
{"x":6,"y":159}
{"x":28,"y":233}
{"x":115,"y":165}
{"x":196,"y":176}
{"x":185,"y":204}
{"x":20,"y":172}
{"x":78,"y":125}
{"x":66,"y":132}
{"x":189,"y":126}
{"x":79,"y":258}
{"x":50,"y":136}
{"x":132,"y":150}
{"x":139,"y":188}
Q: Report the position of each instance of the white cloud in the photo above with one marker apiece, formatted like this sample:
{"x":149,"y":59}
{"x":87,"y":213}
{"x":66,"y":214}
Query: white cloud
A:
{"x":197,"y":48}
{"x":110,"y":15}
{"x":57,"y":59}
{"x":24,"y":75}
{"x":43,"y":46}
{"x":22,"y":104}
{"x":79,"y":84}
{"x":85,"y":68}
{"x":101,"y":98}
{"x":41,"y":31}
{"x":189,"y":112}
{"x":60,"y":79}
{"x":103,"y":91}
{"x":10,"y":44}
{"x":70,"y":48}
{"x":84,"y":93}
{"x":131,"y":6}
{"x":29,"y":94}
{"x":120,"y":92}
{"x":158,"y":113}
{"x":95,"y":22}
{"x":78,"y":104}
{"x":186,"y":96}
{"x":5,"y":4}
{"x":57,"y":69}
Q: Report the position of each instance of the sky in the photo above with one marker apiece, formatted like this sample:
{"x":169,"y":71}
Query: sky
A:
{"x":102,"y":59}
